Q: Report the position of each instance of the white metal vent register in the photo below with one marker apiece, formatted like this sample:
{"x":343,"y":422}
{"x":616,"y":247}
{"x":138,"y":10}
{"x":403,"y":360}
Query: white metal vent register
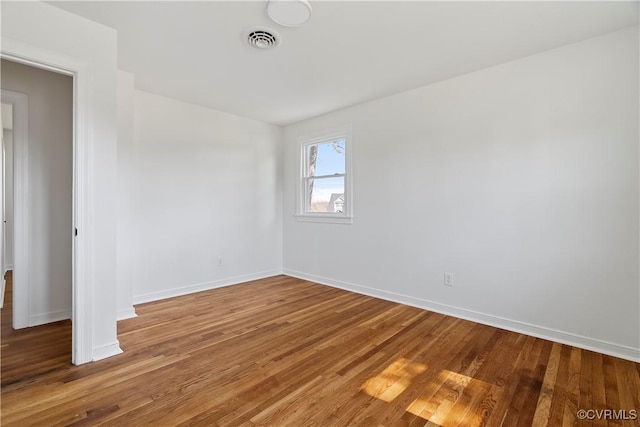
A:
{"x":262,"y":39}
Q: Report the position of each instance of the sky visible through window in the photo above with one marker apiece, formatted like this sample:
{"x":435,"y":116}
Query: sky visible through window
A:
{"x":330,"y":158}
{"x":330,"y":161}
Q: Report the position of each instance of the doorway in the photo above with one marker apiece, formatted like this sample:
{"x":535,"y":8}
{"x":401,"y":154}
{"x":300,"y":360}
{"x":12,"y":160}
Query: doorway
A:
{"x":41,"y":251}
{"x":6,"y":172}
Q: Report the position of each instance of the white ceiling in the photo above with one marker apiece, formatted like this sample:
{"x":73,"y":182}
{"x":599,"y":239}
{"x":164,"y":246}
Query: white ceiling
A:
{"x":348,"y":52}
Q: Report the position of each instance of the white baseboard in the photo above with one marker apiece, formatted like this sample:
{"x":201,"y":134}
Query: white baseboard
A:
{"x":8,"y":267}
{"x":199,"y":287}
{"x":107,"y":350}
{"x":612,"y":349}
{"x":54,"y":316}
{"x":127,"y":313}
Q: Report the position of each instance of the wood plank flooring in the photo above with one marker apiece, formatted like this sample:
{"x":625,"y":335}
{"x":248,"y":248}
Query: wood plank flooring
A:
{"x":286,"y":352}
{"x":30,"y":353}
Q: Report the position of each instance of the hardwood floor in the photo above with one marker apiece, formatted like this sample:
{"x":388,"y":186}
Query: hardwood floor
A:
{"x":286,"y":352}
{"x":32,"y":352}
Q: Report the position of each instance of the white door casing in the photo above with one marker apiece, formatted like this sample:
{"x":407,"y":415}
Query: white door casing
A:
{"x":82,"y":349}
{"x":2,"y":231}
{"x":19,"y":102}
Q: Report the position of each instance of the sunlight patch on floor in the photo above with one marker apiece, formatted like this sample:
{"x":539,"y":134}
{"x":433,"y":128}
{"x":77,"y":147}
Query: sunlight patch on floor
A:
{"x":393,"y":380}
{"x":437,"y":402}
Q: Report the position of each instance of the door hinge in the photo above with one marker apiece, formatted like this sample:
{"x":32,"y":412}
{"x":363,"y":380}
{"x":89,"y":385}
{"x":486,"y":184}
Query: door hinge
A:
{"x":76,"y":232}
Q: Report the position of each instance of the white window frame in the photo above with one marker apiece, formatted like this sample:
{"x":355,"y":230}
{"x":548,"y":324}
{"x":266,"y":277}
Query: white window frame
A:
{"x":346,"y":217}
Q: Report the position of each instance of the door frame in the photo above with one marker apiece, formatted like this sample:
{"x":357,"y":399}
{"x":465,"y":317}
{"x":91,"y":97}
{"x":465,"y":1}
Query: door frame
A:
{"x":81,"y":317}
{"x":4,"y":214}
{"x":20,"y":104}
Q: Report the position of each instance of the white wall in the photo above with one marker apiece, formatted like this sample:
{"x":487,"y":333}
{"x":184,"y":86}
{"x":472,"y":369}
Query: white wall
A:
{"x":521,"y":179}
{"x":50,"y":187}
{"x":202,"y":184}
{"x":8,"y":198}
{"x":38,"y":31}
{"x":126,"y":195}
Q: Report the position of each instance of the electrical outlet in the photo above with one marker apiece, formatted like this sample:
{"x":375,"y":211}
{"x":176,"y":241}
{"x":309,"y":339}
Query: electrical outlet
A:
{"x":448,"y":279}
{"x":219,"y":261}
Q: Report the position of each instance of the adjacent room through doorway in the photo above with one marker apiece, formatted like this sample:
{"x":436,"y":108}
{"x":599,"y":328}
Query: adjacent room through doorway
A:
{"x":38,"y":214}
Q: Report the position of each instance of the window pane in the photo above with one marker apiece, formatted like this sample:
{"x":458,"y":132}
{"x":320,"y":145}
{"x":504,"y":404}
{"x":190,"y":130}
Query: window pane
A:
{"x":326,"y":158}
{"x":325,"y":195}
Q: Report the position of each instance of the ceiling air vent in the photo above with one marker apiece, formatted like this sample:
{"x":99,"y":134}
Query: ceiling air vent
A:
{"x":262,"y":38}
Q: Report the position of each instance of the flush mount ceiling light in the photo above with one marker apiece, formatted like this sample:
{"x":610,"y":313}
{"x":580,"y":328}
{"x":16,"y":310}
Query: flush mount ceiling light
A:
{"x":262,"y":38}
{"x":289,"y":13}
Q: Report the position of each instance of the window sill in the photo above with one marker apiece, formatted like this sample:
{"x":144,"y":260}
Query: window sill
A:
{"x":327,"y":219}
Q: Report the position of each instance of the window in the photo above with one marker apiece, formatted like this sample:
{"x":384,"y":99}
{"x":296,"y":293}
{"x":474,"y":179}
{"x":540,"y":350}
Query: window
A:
{"x":324,"y":190}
